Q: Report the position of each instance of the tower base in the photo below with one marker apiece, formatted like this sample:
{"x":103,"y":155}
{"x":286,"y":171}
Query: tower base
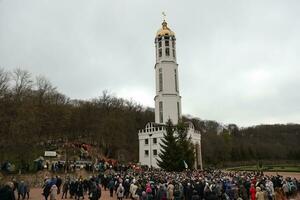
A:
{"x":151,"y":137}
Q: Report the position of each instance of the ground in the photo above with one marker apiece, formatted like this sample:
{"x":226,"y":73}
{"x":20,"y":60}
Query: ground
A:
{"x":285,"y":174}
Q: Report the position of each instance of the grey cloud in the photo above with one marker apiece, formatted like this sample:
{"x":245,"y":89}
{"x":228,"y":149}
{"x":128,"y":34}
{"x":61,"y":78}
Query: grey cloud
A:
{"x":238,"y":60}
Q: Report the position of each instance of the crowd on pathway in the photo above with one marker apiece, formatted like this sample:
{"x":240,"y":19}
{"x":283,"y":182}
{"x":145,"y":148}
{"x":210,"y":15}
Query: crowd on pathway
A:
{"x":162,"y":185}
{"x":7,"y":191}
{"x":72,"y":166}
{"x":72,"y":188}
{"x":196,"y":185}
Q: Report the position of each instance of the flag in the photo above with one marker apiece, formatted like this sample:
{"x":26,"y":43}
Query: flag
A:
{"x":185,"y":165}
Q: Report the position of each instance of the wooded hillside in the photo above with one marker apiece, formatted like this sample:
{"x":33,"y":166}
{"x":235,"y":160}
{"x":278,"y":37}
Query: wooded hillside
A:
{"x":33,"y":114}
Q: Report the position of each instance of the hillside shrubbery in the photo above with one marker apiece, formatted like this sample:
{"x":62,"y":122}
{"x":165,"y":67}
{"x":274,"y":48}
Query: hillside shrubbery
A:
{"x":33,"y":112}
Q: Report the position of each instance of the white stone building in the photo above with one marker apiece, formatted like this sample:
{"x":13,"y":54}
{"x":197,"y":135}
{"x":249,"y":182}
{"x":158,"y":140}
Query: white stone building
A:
{"x":167,"y":101}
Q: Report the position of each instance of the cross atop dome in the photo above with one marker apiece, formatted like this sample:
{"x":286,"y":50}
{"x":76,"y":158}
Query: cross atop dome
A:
{"x":164,"y":16}
{"x":165,"y":30}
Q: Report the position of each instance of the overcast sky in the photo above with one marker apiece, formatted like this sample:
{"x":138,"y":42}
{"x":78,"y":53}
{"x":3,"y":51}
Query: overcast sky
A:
{"x":238,"y":59}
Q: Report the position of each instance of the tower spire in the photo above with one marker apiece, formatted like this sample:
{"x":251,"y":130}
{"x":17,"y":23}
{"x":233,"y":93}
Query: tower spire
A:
{"x":164,"y":24}
{"x":164,"y":16}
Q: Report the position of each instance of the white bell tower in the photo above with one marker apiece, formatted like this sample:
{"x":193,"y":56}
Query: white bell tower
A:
{"x":167,"y":99}
{"x":167,"y":102}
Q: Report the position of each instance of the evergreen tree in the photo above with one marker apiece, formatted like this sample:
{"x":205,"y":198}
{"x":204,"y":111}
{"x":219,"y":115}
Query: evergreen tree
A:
{"x":176,"y":149}
{"x":169,"y":155}
{"x":185,"y":146}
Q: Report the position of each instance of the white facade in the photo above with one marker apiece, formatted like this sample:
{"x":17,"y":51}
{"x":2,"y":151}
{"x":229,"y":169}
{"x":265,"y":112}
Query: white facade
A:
{"x":167,"y":101}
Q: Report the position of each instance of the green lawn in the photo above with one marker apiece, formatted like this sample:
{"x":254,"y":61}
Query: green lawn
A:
{"x":268,"y":168}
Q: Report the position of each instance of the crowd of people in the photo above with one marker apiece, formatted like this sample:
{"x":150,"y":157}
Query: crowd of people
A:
{"x":188,"y":185}
{"x":21,"y":188}
{"x":196,"y":185}
{"x":162,"y":185}
{"x":72,"y":188}
{"x":72,"y":166}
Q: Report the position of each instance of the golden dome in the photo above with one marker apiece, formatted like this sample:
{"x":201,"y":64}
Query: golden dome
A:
{"x":165,"y":30}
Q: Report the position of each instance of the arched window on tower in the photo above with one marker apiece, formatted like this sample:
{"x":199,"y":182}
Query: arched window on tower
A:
{"x":178,"y":112}
{"x":161,"y":120}
{"x":160,"y":77}
{"x":167,"y":51}
{"x":159,"y":52}
{"x":167,"y":43}
{"x":173,"y":47}
{"x":175,"y":77}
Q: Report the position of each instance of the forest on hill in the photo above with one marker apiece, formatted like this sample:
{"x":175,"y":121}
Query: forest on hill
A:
{"x":33,"y":114}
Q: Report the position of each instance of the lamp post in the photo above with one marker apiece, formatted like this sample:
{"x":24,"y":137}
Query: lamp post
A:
{"x":150,"y":153}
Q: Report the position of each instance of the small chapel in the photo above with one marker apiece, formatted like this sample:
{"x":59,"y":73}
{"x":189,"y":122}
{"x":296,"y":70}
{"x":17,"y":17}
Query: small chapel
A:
{"x":167,"y":102}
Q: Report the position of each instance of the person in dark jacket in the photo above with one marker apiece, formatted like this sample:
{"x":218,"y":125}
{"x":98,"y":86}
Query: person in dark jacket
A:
{"x":111,"y":186}
{"x":27,"y":189}
{"x":177,"y":192}
{"x":58,"y":184}
{"x":95,"y":192}
{"x":188,"y":191}
{"x":195,"y":195}
{"x":161,"y":193}
{"x":6,"y":192}
{"x":80,"y":190}
{"x":72,"y":189}
{"x":46,"y":189}
{"x":126,"y":188}
{"x":21,"y":190}
{"x":65,"y":189}
{"x":199,"y":187}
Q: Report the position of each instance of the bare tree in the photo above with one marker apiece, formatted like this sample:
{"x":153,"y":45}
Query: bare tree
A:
{"x":22,"y":82}
{"x":44,"y":87}
{"x":4,"y":82}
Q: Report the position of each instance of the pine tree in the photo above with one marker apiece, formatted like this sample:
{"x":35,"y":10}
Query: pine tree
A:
{"x":185,"y":146}
{"x":169,"y":155}
{"x":176,"y":149}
